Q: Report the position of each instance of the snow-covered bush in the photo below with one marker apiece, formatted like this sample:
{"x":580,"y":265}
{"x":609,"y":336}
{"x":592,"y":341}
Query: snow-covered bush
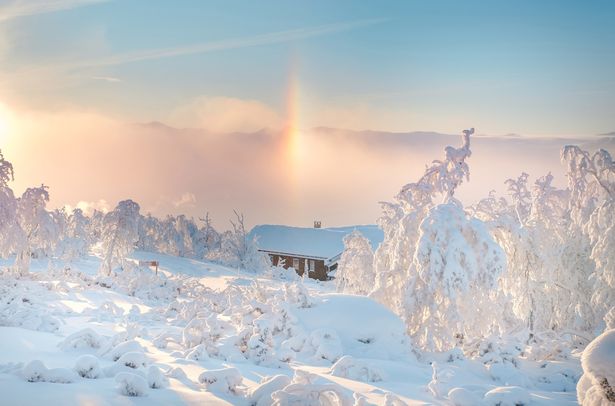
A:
{"x":305,"y":389}
{"x":36,"y":371}
{"x":597,"y":385}
{"x":155,"y":378}
{"x":507,"y":396}
{"x":355,"y":269}
{"x":326,"y":344}
{"x":240,"y":250}
{"x":130,"y":384}
{"x":87,"y":366}
{"x":260,"y":395}
{"x":86,"y":338}
{"x":221,"y":380}
{"x":351,"y":368}
{"x":122,"y":348}
{"x":133,"y":359}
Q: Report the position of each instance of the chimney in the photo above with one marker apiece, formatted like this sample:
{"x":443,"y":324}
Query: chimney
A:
{"x":317,"y":224}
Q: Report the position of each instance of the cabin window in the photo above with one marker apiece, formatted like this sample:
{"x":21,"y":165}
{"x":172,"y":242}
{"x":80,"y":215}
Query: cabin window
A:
{"x":312,"y":265}
{"x":296,"y":263}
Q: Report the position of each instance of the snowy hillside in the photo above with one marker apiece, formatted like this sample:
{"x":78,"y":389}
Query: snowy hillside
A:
{"x":506,"y":302}
{"x":200,"y":333}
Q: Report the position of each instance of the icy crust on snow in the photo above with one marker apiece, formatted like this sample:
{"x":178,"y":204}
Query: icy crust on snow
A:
{"x":597,"y":385}
{"x":224,"y":337}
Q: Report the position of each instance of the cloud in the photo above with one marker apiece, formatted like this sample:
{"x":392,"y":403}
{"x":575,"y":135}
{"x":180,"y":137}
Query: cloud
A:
{"x":97,"y":160}
{"x":233,"y":43}
{"x":108,"y":79}
{"x":186,"y":199}
{"x":226,"y":114}
{"x":22,"y":8}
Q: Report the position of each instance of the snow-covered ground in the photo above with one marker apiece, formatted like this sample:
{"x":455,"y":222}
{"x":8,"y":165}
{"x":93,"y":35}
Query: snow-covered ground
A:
{"x":201,"y":333}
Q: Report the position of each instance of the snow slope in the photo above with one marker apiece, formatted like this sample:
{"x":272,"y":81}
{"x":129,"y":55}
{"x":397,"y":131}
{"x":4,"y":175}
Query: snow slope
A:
{"x":201,"y":333}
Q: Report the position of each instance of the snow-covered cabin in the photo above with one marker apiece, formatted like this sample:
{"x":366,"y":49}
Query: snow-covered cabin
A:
{"x":316,"y":250}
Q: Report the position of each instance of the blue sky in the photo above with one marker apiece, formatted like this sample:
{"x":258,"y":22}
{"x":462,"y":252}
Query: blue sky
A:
{"x":532,"y":67}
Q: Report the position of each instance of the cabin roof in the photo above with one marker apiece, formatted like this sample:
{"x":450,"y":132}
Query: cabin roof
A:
{"x":316,"y":243}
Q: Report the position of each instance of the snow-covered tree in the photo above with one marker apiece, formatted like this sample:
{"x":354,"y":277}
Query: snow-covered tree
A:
{"x":355,"y":269}
{"x":149,"y":233}
{"x":591,"y":180}
{"x":457,"y":263}
{"x":438,"y":268}
{"x":240,"y":250}
{"x":77,"y":239}
{"x":120,"y":234}
{"x":11,"y":234}
{"x":39,"y":226}
{"x":209,"y":238}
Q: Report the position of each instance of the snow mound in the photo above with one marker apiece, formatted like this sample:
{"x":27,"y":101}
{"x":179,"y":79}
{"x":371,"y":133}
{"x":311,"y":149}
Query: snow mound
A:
{"x":308,"y":389}
{"x":36,"y":371}
{"x":155,"y":378}
{"x":221,"y":380}
{"x":351,"y":368}
{"x":131,"y":384}
{"x":260,"y":395}
{"x":87,"y":366}
{"x":133,"y":359}
{"x":86,"y":338}
{"x":383,"y":337}
{"x":507,"y":396}
{"x":597,"y":385}
{"x":127,"y":346}
{"x":463,"y":397}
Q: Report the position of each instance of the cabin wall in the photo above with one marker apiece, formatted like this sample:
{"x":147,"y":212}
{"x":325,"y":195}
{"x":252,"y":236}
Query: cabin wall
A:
{"x":319,"y":272}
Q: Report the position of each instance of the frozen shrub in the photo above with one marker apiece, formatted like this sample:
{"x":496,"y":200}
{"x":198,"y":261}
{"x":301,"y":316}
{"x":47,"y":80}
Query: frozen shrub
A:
{"x":355,"y":273}
{"x":178,"y":373}
{"x":131,"y":384}
{"x":296,"y":293}
{"x":86,"y":338}
{"x":305,"y":390}
{"x":597,"y":385}
{"x":87,"y":366}
{"x":133,"y":359}
{"x":34,"y":371}
{"x":463,"y":397}
{"x":348,"y":367}
{"x":326,"y":344}
{"x":391,"y":399}
{"x":155,"y":378}
{"x":260,"y":395}
{"x":221,"y":380}
{"x":440,"y":384}
{"x":198,"y":353}
{"x":507,"y":396}
{"x":127,"y":346}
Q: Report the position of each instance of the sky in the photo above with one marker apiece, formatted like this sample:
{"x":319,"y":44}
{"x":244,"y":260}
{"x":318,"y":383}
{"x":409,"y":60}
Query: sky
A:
{"x":196,"y":106}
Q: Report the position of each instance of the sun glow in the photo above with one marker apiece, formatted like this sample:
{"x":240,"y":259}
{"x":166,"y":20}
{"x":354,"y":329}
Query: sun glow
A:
{"x":5,"y":126}
{"x":293,"y":142}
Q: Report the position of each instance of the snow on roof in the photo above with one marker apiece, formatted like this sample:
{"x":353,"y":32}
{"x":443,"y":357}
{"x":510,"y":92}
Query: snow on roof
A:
{"x":324,"y":243}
